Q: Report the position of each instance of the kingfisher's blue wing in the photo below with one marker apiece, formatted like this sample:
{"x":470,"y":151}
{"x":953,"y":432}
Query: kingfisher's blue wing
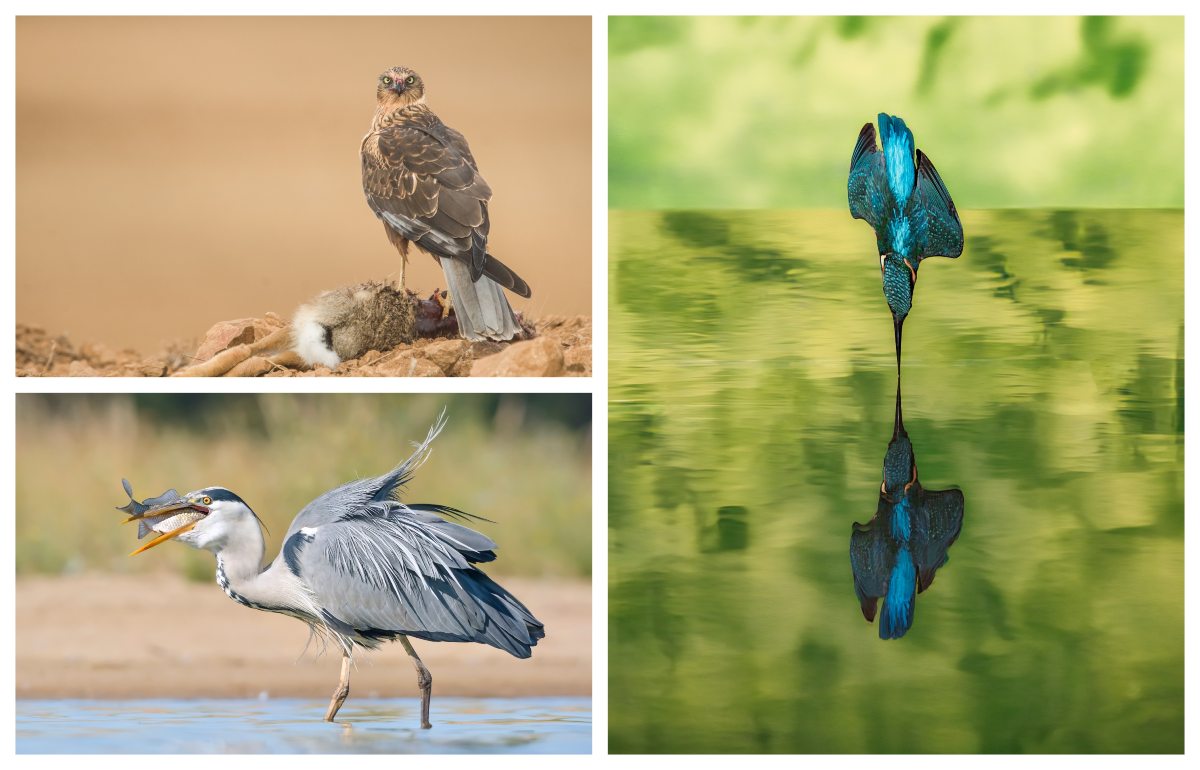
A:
{"x":871,"y":560}
{"x":937,"y":523}
{"x":867,"y":187}
{"x":939,"y":231}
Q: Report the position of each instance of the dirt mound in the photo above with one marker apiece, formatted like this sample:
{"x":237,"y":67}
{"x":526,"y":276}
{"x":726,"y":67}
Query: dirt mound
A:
{"x":558,"y":347}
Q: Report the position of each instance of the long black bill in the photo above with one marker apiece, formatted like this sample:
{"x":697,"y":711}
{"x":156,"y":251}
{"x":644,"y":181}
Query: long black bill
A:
{"x":898,"y":425}
{"x":899,"y":322}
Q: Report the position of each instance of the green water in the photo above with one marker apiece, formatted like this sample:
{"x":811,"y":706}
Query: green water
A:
{"x":752,"y":400}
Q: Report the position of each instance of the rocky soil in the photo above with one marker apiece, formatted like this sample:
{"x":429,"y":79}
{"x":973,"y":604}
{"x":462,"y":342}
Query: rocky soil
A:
{"x":559,"y":346}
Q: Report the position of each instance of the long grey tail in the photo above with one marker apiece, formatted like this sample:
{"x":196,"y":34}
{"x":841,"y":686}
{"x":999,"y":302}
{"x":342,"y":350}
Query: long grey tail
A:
{"x":504,"y":275}
{"x":482,"y":309}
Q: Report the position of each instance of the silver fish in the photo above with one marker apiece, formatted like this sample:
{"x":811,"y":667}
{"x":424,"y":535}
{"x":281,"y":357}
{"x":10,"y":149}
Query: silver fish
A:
{"x":177,"y":512}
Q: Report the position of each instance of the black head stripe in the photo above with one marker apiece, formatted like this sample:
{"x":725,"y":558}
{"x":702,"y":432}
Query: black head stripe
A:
{"x":220,"y":493}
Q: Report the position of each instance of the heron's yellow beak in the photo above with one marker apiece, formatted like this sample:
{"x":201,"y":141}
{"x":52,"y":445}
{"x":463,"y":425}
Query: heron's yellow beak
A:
{"x":163,"y":538}
{"x":169,"y":514}
{"x":164,"y":510}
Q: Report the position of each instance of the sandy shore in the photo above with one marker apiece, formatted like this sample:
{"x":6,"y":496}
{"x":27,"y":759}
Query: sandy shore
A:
{"x":105,"y":636}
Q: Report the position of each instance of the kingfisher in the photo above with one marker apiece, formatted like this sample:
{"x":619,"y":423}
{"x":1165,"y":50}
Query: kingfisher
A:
{"x":895,"y":555}
{"x":899,"y":193}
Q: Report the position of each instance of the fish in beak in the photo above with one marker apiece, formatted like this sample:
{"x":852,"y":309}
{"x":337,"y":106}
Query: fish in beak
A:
{"x":169,"y":514}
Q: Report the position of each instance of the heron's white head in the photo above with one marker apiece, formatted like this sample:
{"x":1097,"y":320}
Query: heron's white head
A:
{"x":229,"y":520}
{"x":215,"y":517}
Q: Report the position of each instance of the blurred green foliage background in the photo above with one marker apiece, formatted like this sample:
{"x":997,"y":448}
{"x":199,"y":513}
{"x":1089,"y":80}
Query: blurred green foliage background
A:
{"x":523,"y":461}
{"x":763,"y":112}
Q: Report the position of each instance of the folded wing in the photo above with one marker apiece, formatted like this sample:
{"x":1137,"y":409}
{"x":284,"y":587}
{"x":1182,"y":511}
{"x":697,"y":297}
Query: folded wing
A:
{"x":387,"y":569}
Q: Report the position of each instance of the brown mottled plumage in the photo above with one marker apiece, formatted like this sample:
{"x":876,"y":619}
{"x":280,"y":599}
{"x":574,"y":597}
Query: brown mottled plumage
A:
{"x":421,"y":180}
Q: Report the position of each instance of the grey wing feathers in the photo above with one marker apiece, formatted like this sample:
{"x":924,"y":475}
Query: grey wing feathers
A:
{"x":473,"y":546}
{"x":387,"y":569}
{"x":356,"y":494}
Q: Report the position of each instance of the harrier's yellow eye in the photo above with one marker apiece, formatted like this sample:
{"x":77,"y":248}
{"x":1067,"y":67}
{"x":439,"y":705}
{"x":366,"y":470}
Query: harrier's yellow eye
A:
{"x":410,"y":80}
{"x":385,"y":80}
{"x":207,"y":500}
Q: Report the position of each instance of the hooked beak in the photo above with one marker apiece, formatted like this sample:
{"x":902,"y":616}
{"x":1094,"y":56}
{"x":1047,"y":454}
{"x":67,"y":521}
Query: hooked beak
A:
{"x":166,"y":510}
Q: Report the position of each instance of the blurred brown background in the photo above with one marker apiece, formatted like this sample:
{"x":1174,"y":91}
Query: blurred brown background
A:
{"x":173,"y":172}
{"x":93,"y":622}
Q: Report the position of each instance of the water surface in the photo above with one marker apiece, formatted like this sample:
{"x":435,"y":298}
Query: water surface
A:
{"x":752,"y":404}
{"x":292,"y":726}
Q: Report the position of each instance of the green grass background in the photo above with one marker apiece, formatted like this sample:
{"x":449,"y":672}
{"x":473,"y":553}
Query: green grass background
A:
{"x":523,"y":461}
{"x":1022,"y":112}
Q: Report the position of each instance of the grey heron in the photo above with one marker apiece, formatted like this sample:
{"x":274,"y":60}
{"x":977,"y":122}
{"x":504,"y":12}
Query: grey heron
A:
{"x":360,"y":567}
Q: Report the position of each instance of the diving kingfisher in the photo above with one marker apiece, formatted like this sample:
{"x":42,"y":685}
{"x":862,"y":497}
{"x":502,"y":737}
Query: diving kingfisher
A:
{"x":899,"y":193}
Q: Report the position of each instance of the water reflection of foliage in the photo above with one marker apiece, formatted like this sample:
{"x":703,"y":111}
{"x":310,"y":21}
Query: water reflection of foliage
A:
{"x":1054,"y":390}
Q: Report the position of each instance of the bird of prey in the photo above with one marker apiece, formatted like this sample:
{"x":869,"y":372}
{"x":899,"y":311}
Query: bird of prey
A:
{"x":358,"y":565}
{"x":902,"y":197}
{"x":421,"y":180}
{"x":896,"y":554}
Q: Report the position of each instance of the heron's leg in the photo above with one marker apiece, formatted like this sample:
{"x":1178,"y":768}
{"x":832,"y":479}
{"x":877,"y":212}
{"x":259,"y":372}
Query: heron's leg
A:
{"x":424,"y":681}
{"x":343,"y":689}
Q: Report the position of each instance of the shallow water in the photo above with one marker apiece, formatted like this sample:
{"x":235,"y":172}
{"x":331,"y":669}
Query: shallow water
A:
{"x":752,"y":403}
{"x":287,"y":726}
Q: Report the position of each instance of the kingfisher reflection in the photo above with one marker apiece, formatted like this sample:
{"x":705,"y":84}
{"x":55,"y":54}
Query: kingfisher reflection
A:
{"x":895,"y":555}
